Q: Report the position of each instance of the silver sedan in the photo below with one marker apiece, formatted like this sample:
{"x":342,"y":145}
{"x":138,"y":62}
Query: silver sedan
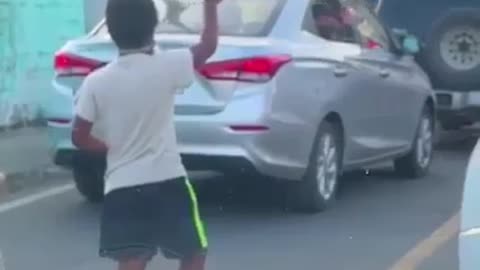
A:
{"x":298,"y":90}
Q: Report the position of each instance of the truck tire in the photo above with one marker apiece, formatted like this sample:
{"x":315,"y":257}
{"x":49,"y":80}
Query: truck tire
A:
{"x":88,"y":174}
{"x":451,"y":54}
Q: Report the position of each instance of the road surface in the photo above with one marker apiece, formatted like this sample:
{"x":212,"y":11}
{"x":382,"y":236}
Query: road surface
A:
{"x":380,"y":222}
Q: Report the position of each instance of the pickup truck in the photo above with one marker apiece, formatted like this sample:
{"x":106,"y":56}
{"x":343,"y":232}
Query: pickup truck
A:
{"x":449,"y":32}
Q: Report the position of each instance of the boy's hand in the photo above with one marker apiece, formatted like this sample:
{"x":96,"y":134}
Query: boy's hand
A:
{"x":209,"y":38}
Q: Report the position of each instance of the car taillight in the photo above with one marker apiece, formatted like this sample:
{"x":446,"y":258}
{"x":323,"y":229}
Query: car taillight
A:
{"x":72,"y":65}
{"x":255,"y":69}
{"x":373,"y":45}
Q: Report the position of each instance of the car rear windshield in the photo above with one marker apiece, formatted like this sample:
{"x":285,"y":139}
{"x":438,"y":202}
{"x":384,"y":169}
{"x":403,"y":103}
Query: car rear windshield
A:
{"x":236,"y":17}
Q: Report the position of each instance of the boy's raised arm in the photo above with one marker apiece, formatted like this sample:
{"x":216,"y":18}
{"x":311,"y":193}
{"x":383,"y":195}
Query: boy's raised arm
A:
{"x":209,"y":38}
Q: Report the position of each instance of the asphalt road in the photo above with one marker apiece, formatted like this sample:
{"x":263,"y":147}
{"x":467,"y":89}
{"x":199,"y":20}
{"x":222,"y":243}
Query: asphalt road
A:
{"x":378,"y":221}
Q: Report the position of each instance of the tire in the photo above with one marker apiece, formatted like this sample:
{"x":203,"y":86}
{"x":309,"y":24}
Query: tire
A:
{"x":88,"y":174}
{"x":307,"y":195}
{"x":442,"y":57}
{"x":416,"y":163}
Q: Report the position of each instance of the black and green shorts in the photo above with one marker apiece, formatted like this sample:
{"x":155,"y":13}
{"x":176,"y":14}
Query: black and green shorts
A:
{"x":139,"y":221}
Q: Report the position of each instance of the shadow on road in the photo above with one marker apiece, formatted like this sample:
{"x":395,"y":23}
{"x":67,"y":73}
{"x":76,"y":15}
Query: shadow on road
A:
{"x":458,"y":141}
{"x":256,"y":196}
{"x":220,"y":196}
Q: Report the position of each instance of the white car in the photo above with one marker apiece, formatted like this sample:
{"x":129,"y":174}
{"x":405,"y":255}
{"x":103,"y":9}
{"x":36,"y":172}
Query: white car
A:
{"x":469,"y":239}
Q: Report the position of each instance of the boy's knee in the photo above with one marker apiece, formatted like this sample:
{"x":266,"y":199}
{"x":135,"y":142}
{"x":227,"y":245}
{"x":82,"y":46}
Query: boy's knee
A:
{"x":133,"y":264}
{"x":194,"y":262}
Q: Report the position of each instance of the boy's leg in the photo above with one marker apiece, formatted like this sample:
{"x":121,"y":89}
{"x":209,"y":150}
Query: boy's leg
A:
{"x":133,"y":258}
{"x":184,"y":236}
{"x":196,"y":262}
{"x":127,"y":229}
{"x":132,"y":264}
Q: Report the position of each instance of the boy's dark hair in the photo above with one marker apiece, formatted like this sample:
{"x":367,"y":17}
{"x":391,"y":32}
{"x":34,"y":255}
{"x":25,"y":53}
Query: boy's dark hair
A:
{"x":131,"y":23}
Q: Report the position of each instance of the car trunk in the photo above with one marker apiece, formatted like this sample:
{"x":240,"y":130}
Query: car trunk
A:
{"x":205,"y":95}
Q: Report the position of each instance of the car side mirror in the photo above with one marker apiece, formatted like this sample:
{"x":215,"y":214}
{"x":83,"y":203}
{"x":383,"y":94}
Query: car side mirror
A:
{"x":410,"y":45}
{"x":406,"y":43}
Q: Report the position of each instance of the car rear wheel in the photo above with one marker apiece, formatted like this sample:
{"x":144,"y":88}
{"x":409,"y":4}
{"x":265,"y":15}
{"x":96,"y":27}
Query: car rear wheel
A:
{"x":417,"y":162}
{"x":318,"y":190}
{"x":88,"y":174}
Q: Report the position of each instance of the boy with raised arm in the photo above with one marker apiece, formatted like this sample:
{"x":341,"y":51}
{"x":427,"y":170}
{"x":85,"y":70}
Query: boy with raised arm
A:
{"x":149,"y":204}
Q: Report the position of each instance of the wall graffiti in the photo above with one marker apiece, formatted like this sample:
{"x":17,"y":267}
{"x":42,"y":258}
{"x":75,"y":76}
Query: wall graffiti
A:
{"x":30,"y":33}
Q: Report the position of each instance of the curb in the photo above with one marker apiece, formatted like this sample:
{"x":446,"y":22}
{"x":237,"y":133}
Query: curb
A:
{"x":13,"y":182}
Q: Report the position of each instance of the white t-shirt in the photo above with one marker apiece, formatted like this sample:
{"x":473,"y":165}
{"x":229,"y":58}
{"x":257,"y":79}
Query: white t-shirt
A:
{"x":131,"y":102}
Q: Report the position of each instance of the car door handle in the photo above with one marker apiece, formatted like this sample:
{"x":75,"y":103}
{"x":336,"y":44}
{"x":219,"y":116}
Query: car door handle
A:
{"x":384,"y":73}
{"x":340,"y":72}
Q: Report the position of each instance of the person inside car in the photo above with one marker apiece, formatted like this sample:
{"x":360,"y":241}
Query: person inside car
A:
{"x":337,"y":22}
{"x":333,"y":21}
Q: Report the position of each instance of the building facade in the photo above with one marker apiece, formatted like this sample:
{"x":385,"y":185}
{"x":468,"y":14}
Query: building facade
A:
{"x":31,"y":31}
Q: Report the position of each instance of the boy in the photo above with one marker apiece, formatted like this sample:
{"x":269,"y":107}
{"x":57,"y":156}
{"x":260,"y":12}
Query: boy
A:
{"x":149,"y":202}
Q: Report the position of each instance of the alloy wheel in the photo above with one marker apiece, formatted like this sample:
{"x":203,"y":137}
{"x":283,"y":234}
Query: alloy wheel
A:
{"x":327,"y":163}
{"x":424,"y":144}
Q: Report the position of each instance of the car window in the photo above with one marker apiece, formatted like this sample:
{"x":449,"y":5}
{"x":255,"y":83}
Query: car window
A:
{"x":323,"y":18}
{"x":236,"y":17}
{"x":369,"y":27}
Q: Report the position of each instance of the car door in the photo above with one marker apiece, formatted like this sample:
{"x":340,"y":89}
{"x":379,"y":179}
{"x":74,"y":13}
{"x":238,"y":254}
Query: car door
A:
{"x":396,"y":98}
{"x":404,"y":99}
{"x":355,"y":90}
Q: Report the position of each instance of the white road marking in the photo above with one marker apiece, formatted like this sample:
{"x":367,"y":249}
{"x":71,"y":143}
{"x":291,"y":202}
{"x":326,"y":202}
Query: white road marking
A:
{"x":5,"y":207}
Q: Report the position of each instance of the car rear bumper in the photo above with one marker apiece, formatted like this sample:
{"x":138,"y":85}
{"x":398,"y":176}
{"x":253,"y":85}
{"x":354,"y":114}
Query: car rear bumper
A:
{"x":193,"y":162}
{"x":213,"y":145}
{"x":65,"y":157}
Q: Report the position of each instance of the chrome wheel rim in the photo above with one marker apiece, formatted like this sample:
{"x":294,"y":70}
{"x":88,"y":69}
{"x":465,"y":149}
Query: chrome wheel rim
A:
{"x":327,"y":163}
{"x":460,"y":48}
{"x":425,"y":142}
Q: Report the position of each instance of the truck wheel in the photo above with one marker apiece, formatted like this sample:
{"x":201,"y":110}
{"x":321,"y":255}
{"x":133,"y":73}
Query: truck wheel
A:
{"x":452,"y":52}
{"x":417,"y":162}
{"x":318,"y":190}
{"x":88,"y":174}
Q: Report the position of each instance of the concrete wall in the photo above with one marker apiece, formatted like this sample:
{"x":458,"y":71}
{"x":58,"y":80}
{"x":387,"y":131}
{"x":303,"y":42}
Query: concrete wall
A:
{"x":30,"y":33}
